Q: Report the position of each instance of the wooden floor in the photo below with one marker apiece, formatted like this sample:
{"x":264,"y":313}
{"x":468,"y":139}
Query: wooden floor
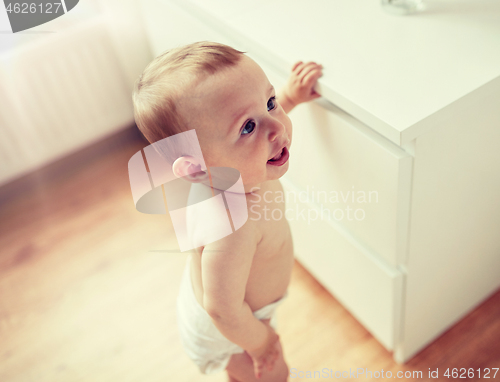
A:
{"x":88,"y":288}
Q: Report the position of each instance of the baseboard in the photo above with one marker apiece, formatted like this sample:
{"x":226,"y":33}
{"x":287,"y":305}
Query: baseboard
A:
{"x":71,"y":163}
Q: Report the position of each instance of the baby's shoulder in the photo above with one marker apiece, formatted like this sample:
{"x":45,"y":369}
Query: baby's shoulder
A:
{"x":244,"y":240}
{"x":250,"y":230}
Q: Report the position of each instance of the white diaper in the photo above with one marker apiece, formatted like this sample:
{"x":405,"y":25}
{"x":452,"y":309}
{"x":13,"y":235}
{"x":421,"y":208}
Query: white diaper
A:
{"x":203,"y":342}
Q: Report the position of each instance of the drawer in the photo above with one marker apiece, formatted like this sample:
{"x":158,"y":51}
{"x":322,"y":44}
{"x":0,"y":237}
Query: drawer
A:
{"x":356,"y":176}
{"x":361,"y":179}
{"x":368,"y":288}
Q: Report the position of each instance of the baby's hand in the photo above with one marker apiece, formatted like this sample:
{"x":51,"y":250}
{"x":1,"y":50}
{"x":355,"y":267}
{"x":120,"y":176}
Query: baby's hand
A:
{"x":300,"y":85}
{"x":267,"y":354}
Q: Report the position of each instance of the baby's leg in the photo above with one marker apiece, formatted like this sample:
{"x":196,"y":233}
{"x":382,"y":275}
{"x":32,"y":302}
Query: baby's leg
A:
{"x":240,"y":368}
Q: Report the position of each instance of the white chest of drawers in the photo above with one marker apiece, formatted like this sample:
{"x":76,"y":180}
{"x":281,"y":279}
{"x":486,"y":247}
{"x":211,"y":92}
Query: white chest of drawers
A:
{"x":409,"y":117}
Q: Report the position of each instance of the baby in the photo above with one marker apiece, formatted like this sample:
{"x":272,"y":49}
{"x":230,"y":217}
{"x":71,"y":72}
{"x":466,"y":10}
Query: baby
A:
{"x":231,"y":287}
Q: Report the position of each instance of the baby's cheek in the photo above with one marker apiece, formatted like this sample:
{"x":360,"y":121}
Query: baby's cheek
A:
{"x":289,"y":126}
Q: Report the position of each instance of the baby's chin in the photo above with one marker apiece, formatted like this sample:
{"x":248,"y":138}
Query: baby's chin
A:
{"x":271,"y":173}
{"x":275,"y":172}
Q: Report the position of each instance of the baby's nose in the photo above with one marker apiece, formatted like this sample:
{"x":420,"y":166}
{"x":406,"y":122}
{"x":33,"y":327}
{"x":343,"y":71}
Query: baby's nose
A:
{"x":277,"y":130}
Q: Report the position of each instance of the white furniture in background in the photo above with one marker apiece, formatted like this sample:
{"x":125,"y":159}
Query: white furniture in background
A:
{"x":410,"y":110}
{"x":69,"y":85}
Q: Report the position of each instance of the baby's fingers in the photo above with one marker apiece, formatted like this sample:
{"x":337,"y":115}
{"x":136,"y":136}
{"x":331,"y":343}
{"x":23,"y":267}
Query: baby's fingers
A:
{"x":301,"y":67}
{"x":272,"y":359}
{"x":311,"y":68}
{"x":306,"y":68}
{"x":296,"y":66}
{"x":311,"y":77}
{"x":257,"y":369}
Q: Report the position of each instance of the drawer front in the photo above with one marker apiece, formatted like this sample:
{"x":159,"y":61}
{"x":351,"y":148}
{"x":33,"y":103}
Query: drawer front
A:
{"x":357,"y":181}
{"x":360,"y":179}
{"x":370,"y":290}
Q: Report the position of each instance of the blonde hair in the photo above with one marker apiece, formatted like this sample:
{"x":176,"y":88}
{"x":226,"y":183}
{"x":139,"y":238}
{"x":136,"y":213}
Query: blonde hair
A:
{"x":157,"y":89}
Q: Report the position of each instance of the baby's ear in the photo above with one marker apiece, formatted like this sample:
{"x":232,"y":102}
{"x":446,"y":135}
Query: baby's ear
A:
{"x":189,"y":168}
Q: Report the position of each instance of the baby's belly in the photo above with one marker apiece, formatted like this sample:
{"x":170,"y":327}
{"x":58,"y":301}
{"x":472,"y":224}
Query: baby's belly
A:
{"x":267,"y":282}
{"x":269,"y":278}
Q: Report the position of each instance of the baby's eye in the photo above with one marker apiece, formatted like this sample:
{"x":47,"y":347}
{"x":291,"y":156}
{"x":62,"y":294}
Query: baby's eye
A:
{"x":248,"y":128}
{"x":271,"y":104}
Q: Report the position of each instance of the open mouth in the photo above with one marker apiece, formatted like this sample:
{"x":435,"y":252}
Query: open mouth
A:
{"x":280,"y":159}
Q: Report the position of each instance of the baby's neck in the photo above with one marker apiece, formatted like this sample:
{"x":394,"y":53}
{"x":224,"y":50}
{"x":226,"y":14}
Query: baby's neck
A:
{"x":249,"y":189}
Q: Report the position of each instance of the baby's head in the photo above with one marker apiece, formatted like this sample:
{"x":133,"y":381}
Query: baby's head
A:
{"x":226,"y":97}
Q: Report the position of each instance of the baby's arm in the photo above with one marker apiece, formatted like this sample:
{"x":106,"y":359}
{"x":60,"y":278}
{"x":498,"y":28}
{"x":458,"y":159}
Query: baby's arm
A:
{"x":300,"y":85}
{"x":225,"y":267}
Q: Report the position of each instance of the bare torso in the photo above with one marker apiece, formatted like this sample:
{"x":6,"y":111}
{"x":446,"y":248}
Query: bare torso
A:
{"x":273,"y":260}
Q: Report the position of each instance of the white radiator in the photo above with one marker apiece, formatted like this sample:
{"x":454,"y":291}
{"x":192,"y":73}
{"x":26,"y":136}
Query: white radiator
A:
{"x":59,"y":93}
